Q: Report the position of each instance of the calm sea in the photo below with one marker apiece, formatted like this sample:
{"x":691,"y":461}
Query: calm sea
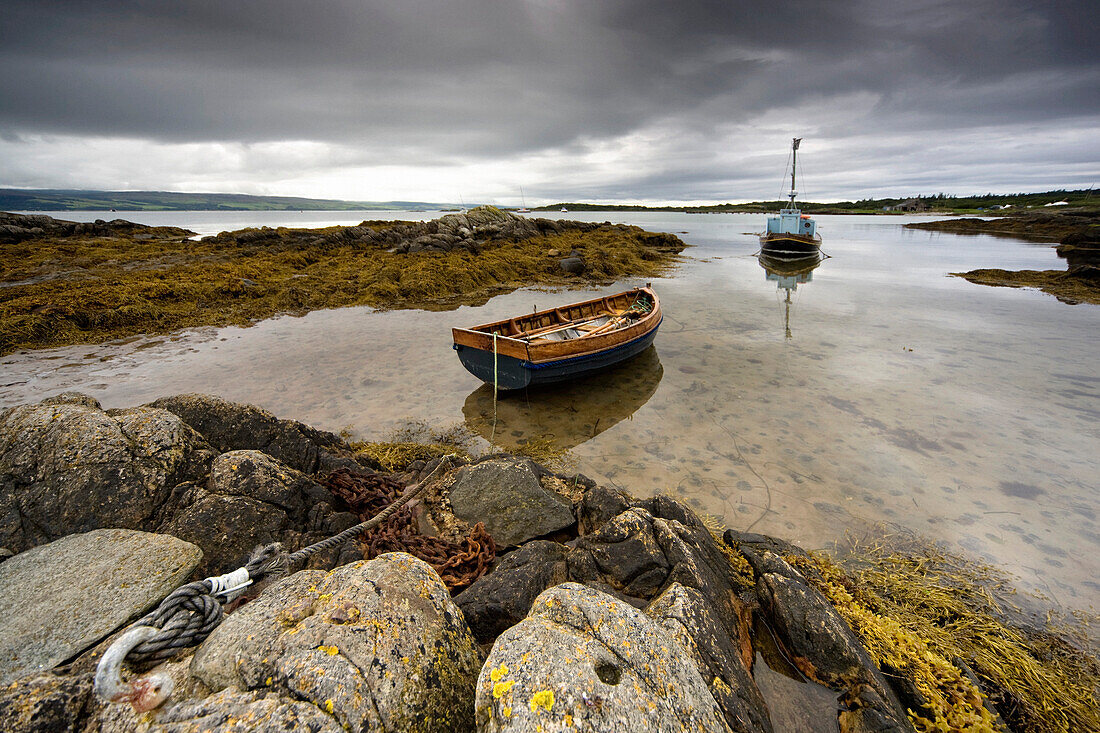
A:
{"x":884,"y":392}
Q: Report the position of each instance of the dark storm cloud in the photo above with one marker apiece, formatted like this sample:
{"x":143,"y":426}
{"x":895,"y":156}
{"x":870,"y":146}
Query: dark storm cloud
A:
{"x":420,"y":83}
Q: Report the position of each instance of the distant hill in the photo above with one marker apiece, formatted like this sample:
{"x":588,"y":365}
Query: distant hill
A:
{"x":942,"y":203}
{"x":13,"y":199}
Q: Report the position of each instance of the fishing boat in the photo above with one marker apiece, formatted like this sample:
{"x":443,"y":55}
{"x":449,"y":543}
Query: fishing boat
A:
{"x":562,"y":343}
{"x":792,"y":233}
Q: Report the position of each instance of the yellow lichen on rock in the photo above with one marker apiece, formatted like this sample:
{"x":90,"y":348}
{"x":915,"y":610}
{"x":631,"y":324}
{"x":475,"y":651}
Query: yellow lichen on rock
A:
{"x":501,"y":688}
{"x":542,"y":699}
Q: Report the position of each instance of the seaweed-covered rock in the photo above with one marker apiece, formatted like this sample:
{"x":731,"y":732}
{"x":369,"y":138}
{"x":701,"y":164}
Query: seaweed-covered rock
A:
{"x":690,"y":620}
{"x":506,"y":495}
{"x":232,"y":426}
{"x":502,"y":598}
{"x":380,"y":645}
{"x":58,"y":599}
{"x":67,"y":466}
{"x":585,"y":660}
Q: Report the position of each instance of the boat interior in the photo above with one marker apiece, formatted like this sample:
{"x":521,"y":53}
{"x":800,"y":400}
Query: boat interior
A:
{"x":580,"y":320}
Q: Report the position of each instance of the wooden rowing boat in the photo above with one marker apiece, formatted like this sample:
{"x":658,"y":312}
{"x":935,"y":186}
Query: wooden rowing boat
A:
{"x":560,"y":343}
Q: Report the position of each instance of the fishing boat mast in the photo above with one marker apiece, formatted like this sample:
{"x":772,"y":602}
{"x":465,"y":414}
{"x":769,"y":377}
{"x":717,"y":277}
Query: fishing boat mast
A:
{"x":794,"y":165}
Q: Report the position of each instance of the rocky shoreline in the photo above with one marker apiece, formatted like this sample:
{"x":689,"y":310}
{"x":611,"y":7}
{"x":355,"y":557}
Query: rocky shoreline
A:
{"x":581,"y":608}
{"x":65,"y":283}
{"x":1077,"y":233}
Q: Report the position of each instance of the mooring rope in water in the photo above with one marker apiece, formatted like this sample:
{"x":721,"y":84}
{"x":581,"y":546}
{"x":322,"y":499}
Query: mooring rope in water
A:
{"x":191,"y":612}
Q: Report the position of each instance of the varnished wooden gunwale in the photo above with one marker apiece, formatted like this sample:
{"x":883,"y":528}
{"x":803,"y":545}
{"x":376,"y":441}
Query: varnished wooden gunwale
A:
{"x":510,"y":331}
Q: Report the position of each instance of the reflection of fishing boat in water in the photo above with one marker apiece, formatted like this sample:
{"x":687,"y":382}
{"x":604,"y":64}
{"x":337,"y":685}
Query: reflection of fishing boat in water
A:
{"x":569,"y":414}
{"x":789,"y":274}
{"x":563,"y":343}
{"x":792,"y":232}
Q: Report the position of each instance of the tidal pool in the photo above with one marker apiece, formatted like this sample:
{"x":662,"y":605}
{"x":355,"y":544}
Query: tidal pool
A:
{"x":885,"y":391}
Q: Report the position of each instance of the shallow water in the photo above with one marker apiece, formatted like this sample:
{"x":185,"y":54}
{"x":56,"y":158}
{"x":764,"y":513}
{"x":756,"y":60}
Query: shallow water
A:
{"x":901,"y":395}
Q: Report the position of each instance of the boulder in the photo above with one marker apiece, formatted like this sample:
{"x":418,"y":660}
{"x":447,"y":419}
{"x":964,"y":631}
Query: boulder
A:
{"x":572,"y":265}
{"x":823,"y":647}
{"x":252,"y":499}
{"x":506,"y":495}
{"x":598,"y":505}
{"x":584,"y":660}
{"x":691,"y":621}
{"x":67,"y":466}
{"x":45,"y":703}
{"x":234,"y":711}
{"x":651,"y":545}
{"x":232,"y":426}
{"x":501,"y":599}
{"x":58,"y":599}
{"x":380,"y":645}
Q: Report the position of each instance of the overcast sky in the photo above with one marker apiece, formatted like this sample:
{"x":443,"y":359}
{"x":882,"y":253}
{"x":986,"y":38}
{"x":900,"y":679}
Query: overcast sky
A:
{"x":567,"y":100}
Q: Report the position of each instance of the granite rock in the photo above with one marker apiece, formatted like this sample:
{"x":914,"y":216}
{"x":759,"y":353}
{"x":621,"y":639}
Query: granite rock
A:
{"x":234,"y":711}
{"x":67,"y":466}
{"x":45,"y":703}
{"x":506,"y":495}
{"x":232,"y":426}
{"x":502,"y":598}
{"x":824,"y":648}
{"x":691,"y":621}
{"x":379,"y":644}
{"x":584,"y":660}
{"x":58,"y":599}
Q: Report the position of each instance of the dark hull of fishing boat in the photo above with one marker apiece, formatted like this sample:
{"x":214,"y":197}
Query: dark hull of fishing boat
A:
{"x":790,"y":246}
{"x":561,"y":344}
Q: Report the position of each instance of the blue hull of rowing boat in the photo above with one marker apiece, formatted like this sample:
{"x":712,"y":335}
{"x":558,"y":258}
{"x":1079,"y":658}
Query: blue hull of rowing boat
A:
{"x":512,"y":373}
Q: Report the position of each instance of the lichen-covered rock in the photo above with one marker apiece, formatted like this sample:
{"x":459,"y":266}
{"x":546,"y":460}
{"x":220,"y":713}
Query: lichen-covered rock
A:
{"x":380,"y":645}
{"x":502,"y":598}
{"x":58,"y":599}
{"x":690,"y":620}
{"x":234,"y":711}
{"x":232,"y":426}
{"x":506,"y":495}
{"x":584,"y":660}
{"x":67,"y":466}
{"x":45,"y":704}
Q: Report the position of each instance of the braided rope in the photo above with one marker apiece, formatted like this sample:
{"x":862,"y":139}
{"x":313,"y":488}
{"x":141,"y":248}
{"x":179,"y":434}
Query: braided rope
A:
{"x":191,"y":612}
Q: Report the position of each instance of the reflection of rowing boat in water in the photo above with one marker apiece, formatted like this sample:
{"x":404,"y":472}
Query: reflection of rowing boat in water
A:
{"x":569,"y":414}
{"x":788,"y":274}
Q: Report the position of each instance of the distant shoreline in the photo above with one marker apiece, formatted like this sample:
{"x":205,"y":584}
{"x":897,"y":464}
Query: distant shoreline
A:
{"x":38,"y":200}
